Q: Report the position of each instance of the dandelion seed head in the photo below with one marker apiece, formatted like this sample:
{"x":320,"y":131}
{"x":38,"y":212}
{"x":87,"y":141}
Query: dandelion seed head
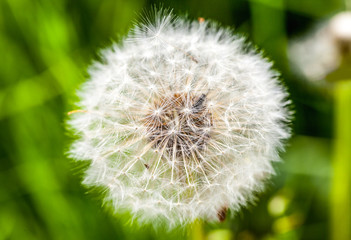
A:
{"x":322,"y":50}
{"x":180,"y":122}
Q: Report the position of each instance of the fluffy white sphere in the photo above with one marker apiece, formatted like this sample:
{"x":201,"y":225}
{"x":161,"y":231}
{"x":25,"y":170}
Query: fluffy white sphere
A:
{"x":323,"y":49}
{"x":181,"y":121}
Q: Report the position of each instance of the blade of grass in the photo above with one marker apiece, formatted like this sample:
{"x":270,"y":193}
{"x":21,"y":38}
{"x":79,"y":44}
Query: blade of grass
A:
{"x":341,"y":183}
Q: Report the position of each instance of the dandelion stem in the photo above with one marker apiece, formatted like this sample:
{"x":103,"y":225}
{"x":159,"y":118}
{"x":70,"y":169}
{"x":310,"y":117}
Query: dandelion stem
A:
{"x":197,"y":231}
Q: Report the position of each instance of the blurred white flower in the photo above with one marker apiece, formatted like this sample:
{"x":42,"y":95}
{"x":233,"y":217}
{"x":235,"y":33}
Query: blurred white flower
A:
{"x":181,"y":121}
{"x":321,"y":52}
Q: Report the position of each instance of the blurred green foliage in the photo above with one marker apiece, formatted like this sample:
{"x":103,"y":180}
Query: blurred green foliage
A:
{"x":46,"y":46}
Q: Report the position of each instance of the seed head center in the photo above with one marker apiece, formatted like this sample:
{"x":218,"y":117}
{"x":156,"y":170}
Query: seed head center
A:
{"x":179,"y":124}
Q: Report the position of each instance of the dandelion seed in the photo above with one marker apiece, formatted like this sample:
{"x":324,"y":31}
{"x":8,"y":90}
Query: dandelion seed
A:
{"x":181,"y":122}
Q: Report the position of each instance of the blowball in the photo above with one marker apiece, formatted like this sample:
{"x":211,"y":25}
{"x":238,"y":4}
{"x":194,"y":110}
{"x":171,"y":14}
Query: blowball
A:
{"x":324,"y":49}
{"x":180,"y":122}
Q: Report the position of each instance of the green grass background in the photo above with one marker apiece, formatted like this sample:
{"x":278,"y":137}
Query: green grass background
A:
{"x":46,"y":47}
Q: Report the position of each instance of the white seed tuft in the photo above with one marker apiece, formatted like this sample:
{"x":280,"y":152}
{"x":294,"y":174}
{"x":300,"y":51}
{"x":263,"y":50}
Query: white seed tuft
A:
{"x":181,"y":122}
